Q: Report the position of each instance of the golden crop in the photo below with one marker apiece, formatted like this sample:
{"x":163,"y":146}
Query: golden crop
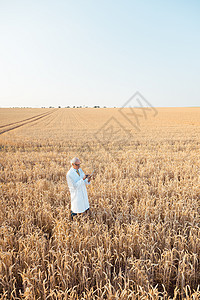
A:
{"x":142,"y":237}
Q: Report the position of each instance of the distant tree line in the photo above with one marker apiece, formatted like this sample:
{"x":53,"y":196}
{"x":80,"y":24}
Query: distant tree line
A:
{"x":96,"y":106}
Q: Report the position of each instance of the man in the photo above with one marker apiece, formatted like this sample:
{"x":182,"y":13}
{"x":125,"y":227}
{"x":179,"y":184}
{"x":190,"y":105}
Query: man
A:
{"x":77,"y":182}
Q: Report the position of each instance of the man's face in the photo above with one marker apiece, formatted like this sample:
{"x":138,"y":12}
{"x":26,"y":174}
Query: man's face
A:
{"x":77,"y":165}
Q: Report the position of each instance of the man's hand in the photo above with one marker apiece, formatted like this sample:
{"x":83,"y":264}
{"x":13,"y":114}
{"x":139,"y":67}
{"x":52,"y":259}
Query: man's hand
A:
{"x":88,"y":177}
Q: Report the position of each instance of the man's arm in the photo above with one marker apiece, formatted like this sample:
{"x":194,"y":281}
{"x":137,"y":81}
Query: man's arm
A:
{"x":76,"y":184}
{"x":86,"y":179}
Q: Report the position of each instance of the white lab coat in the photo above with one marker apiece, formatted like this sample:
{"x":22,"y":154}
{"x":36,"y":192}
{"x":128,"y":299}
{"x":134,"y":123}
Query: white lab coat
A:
{"x":78,"y":191}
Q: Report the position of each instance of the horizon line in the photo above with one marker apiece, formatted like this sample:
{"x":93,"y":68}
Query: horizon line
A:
{"x":95,"y":106}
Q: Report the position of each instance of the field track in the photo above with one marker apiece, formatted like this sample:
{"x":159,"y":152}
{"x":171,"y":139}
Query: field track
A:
{"x":24,"y":122}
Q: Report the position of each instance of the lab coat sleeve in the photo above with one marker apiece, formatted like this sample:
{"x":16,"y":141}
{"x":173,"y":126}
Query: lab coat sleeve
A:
{"x":76,"y":184}
{"x":86,"y":181}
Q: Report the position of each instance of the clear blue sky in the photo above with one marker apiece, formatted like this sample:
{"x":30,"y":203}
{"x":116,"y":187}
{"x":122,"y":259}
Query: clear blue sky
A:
{"x":99,"y":52}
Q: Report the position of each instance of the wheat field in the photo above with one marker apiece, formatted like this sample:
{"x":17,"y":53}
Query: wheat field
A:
{"x":141,"y":239}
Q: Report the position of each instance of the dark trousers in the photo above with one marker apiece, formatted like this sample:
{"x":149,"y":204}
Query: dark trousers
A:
{"x":75,"y":214}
